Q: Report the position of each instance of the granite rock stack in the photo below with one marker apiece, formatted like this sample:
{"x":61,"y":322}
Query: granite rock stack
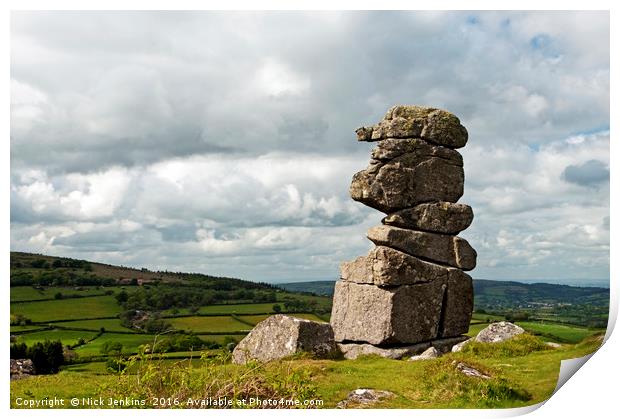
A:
{"x":411,"y":290}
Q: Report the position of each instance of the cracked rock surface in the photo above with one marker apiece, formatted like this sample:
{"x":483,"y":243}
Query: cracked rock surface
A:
{"x":410,"y":289}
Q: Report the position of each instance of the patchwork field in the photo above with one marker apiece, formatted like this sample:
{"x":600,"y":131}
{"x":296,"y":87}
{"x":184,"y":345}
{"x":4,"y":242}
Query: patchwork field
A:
{"x":560,"y":332}
{"x":75,"y":308}
{"x":130,"y":342}
{"x":110,"y":325}
{"x":206,"y":324}
{"x":67,"y":337}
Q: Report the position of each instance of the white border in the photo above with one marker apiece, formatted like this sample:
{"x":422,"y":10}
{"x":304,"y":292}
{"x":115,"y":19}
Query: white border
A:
{"x":591,"y":394}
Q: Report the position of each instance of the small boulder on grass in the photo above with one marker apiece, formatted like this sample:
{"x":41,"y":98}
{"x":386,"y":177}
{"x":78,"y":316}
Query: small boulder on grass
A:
{"x":459,"y":346}
{"x":363,"y":397}
{"x":280,"y":336}
{"x":430,"y":353}
{"x":498,"y":332}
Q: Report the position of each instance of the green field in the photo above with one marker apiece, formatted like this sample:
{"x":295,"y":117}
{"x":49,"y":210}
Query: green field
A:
{"x":560,"y":332}
{"x":237,"y":308}
{"x":205,"y":324}
{"x":475,"y":328}
{"x":130,"y":342}
{"x":26,"y":328}
{"x":67,"y":337}
{"x":110,"y":325}
{"x":77,"y":308}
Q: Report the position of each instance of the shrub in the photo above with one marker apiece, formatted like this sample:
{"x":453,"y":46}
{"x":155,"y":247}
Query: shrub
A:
{"x":111,"y":348}
{"x":116,"y":365}
{"x":47,"y":356}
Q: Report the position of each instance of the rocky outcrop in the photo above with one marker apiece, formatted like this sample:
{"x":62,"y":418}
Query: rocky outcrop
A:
{"x":364,"y":397}
{"x":498,"y":332}
{"x":410,"y":290}
{"x":21,"y":368}
{"x":280,"y":336}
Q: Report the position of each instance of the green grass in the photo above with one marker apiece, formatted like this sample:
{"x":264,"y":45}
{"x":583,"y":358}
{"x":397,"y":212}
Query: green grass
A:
{"x":255,"y":319}
{"x":475,"y":328}
{"x":200,"y":324}
{"x":78,"y":308}
{"x":130,"y":342}
{"x":110,"y":325}
{"x":67,"y":337}
{"x":523,"y":372}
{"x":559,"y":332}
{"x":26,"y":328}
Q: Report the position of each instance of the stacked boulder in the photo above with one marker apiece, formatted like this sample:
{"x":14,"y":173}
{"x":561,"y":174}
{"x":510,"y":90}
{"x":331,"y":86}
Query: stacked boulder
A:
{"x":410,"y":292}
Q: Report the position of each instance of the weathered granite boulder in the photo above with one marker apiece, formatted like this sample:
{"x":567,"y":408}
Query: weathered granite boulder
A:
{"x":469,"y":371}
{"x":436,"y":217}
{"x":279,"y":336}
{"x":364,"y":397}
{"x":459,"y":346}
{"x":498,"y":332}
{"x":431,"y":124}
{"x":386,"y":266}
{"x":458,"y":304}
{"x":381,"y":316}
{"x":430,"y":353}
{"x":440,"y":248}
{"x":404,"y":173}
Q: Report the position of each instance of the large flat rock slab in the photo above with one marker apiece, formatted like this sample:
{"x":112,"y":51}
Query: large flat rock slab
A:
{"x":405,"y":314}
{"x":280,"y":336}
{"x":405,"y":173}
{"x":355,"y":350}
{"x":406,"y":121}
{"x":385,"y":266}
{"x":436,"y":217}
{"x":440,"y":248}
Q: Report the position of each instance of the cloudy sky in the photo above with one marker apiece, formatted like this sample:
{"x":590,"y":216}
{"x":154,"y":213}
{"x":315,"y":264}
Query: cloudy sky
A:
{"x":224,"y":142}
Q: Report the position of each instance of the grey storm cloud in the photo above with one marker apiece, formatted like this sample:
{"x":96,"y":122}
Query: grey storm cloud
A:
{"x":133,"y":88}
{"x":223,"y":142}
{"x":590,"y":174}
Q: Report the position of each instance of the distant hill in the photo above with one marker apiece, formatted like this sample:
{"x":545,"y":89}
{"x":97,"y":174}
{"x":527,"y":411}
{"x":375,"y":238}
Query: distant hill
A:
{"x":39,"y":269}
{"x":312,"y":287}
